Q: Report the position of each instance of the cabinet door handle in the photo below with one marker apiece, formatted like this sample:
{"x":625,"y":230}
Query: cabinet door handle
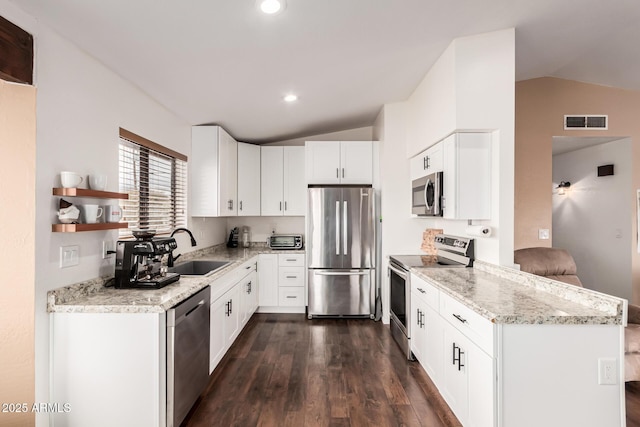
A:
{"x":337,"y":172}
{"x":428,"y":162}
{"x":343,"y":172}
{"x":285,"y":205}
{"x":226,"y":309}
{"x":424,"y":163}
{"x":460,"y":318}
{"x":459,"y":358}
{"x":422,"y":291}
{"x":240,"y":205}
{"x":280,"y":205}
{"x":230,"y":307}
{"x":422,"y":319}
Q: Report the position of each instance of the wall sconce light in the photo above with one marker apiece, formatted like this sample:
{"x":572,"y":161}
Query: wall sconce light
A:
{"x":563,"y":187}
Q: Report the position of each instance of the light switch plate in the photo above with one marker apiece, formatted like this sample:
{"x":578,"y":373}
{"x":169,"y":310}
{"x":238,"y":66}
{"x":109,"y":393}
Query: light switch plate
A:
{"x":543,"y":234}
{"x":69,"y":256}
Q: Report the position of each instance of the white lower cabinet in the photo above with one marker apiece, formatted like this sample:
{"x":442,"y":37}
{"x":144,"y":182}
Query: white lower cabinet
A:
{"x":282,"y":283}
{"x":231,"y":310}
{"x":442,"y":339}
{"x":515,"y":374}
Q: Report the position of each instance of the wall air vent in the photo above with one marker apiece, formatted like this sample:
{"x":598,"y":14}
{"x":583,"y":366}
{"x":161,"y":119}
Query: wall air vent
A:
{"x":585,"y":122}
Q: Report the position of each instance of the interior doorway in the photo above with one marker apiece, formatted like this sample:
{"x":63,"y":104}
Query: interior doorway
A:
{"x":593,"y":218}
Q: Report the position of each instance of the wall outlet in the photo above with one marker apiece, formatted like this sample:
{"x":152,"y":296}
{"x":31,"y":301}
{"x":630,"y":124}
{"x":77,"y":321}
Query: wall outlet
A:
{"x":69,"y":256}
{"x":543,"y":234}
{"x":107,"y":247}
{"x":607,"y":371}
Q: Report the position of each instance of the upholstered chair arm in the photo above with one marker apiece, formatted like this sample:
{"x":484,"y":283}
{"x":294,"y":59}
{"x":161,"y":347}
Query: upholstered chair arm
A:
{"x":634,"y":314}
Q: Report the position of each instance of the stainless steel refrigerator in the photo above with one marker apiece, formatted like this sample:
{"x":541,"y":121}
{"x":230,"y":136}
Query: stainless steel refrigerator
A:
{"x":341,"y":245}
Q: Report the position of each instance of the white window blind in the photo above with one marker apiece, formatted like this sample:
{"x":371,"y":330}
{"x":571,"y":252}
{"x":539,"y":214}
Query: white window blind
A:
{"x":157,"y":186}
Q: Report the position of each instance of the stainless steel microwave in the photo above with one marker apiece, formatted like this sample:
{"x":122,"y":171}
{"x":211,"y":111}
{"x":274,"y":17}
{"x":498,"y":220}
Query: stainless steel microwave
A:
{"x":426,"y":195}
{"x":285,"y":241}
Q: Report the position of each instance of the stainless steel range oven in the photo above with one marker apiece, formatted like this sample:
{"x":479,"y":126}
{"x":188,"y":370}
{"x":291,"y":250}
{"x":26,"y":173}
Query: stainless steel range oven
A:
{"x":452,"y":252}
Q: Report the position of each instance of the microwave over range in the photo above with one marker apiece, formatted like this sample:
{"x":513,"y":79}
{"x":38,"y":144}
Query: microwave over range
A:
{"x":426,"y":195}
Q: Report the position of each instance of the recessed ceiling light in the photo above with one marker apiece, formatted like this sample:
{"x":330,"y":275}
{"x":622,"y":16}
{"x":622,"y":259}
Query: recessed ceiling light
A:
{"x":271,"y":7}
{"x":291,"y":97}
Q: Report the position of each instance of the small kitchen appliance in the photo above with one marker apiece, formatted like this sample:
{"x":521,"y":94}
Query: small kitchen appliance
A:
{"x":452,"y":252}
{"x":285,"y":241}
{"x":139,"y":263}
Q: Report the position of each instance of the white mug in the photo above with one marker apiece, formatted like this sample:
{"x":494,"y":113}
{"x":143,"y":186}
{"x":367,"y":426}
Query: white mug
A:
{"x":113,"y":213}
{"x":70,"y":179}
{"x":92,"y":213}
{"x":98,"y":182}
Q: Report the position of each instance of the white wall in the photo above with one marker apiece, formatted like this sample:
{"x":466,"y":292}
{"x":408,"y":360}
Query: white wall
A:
{"x":479,"y":71}
{"x":357,"y":134}
{"x":80,"y":106}
{"x":591,"y":220}
{"x":262,"y":226}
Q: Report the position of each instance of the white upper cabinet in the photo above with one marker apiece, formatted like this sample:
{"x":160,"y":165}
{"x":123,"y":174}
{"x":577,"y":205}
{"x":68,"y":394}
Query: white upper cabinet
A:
{"x":339,"y":162}
{"x":214,"y":172}
{"x":283,"y":185}
{"x":467,"y":176}
{"x":272,"y":172}
{"x":295,"y":188}
{"x":427,"y":162}
{"x":248,"y":179}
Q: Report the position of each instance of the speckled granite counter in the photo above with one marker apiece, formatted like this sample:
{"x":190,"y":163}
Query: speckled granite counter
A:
{"x":505,"y":295}
{"x":93,"y":297}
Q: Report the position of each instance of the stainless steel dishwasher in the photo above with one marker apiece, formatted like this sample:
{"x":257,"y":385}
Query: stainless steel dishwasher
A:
{"x":187,"y":354}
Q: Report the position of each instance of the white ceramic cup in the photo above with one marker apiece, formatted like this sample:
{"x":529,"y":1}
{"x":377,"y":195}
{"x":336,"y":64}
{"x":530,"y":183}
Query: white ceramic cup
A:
{"x":98,"y":182}
{"x":112,"y":213}
{"x":70,"y":179}
{"x":92,"y":213}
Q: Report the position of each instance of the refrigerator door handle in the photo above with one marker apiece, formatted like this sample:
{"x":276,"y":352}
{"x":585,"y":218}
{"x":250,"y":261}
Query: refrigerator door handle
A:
{"x":337,"y":228}
{"x":345,"y":224}
{"x":341,"y":273}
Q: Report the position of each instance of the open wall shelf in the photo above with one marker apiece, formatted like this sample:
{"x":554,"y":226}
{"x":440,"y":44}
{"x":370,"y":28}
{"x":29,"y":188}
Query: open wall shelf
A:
{"x":83,"y":192}
{"x":74,"y":228}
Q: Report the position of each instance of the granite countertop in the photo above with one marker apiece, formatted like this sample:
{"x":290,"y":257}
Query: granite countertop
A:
{"x":93,"y":297}
{"x":509,"y":296}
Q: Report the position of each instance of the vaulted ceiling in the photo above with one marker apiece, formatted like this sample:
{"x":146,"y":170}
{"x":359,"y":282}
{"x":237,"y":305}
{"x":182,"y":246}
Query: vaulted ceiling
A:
{"x":223,"y":62}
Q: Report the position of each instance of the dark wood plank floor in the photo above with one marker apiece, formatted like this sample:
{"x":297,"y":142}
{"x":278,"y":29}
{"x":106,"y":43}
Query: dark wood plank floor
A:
{"x":284,"y":370}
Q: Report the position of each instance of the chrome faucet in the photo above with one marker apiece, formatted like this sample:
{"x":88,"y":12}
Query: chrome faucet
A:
{"x":171,"y":259}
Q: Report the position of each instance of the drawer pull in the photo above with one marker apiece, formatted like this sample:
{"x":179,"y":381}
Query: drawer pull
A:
{"x":460,"y":318}
{"x":291,"y":260}
{"x":292,"y":296}
{"x":292,"y":277}
{"x":422,"y":290}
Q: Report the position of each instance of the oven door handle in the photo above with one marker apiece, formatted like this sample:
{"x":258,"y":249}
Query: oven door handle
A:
{"x":400,"y":273}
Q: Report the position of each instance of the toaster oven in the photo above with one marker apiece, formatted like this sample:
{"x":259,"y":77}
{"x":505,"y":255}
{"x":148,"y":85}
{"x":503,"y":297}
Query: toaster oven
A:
{"x":285,"y":241}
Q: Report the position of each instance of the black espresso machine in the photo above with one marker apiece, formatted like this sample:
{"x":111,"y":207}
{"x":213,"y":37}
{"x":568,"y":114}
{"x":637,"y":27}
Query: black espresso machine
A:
{"x":139,"y":262}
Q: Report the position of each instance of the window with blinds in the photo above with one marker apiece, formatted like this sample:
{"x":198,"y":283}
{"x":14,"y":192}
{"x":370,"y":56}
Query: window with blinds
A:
{"x":156,"y":180}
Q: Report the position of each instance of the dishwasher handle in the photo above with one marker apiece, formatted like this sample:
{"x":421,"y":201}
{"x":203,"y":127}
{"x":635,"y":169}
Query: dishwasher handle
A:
{"x":187,"y":308}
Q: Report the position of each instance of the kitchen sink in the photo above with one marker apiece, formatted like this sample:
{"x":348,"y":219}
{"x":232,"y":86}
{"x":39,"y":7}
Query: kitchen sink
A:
{"x":198,"y":267}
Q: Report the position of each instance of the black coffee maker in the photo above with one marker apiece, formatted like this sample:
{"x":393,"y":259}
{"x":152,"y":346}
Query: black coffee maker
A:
{"x":139,"y":262}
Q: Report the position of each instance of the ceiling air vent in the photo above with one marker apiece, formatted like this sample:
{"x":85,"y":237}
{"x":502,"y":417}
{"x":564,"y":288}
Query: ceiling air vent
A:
{"x":589,"y":121}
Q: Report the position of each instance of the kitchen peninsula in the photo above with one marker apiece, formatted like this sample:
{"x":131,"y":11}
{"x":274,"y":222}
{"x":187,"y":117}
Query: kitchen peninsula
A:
{"x":509,"y":348}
